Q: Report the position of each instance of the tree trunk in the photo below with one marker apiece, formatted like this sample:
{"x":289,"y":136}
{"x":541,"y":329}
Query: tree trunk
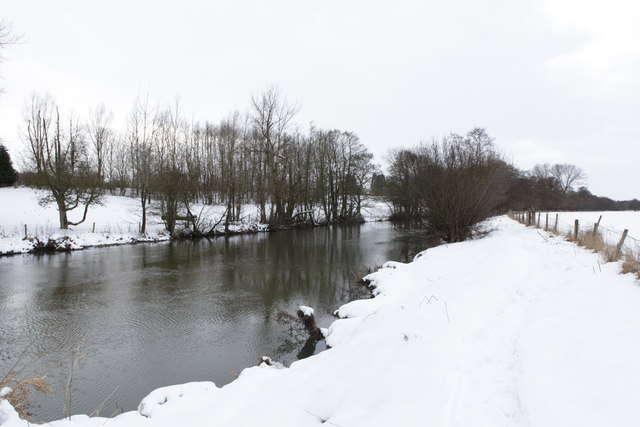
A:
{"x":62,"y":214}
{"x":143,"y":205}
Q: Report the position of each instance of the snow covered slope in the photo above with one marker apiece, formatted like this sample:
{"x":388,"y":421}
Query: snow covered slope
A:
{"x":515,"y":329}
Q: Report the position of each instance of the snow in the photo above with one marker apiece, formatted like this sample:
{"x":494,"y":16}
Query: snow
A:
{"x":375,"y":209}
{"x":307,"y":311}
{"x":519,"y":328}
{"x":116,"y":221}
{"x":612,"y":224}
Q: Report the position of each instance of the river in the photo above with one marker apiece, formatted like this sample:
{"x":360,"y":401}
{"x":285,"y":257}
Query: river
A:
{"x":118,"y":322}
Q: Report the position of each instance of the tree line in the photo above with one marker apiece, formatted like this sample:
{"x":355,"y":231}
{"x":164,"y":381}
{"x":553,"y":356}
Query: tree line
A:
{"x":260,"y":157}
{"x":558,"y":187}
{"x":457,"y":181}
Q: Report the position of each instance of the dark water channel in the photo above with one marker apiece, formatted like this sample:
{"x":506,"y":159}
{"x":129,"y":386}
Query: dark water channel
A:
{"x":146,"y":316}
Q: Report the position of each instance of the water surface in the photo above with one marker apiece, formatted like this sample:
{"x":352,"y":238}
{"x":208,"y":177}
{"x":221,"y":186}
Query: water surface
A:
{"x":122,"y":321}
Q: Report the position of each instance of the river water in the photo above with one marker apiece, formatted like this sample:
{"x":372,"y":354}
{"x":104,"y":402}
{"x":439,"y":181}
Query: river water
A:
{"x":108,"y":325}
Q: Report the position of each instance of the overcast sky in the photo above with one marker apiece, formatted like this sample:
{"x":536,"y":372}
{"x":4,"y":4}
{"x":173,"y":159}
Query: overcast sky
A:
{"x":554,"y":81}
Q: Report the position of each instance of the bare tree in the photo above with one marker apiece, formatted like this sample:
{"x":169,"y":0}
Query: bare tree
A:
{"x":101,"y":136}
{"x":119,"y":165}
{"x":229,"y":140}
{"x":170,"y":142}
{"x":60,"y":160}
{"x":140,"y":135}
{"x":7,"y":37}
{"x":568,"y":176}
{"x":271,"y":116}
{"x":542,"y":171}
{"x":403,"y":188}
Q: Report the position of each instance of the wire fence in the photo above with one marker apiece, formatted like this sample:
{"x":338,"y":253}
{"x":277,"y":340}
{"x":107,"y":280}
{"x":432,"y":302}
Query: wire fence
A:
{"x":611,"y":229}
{"x":611,"y":233}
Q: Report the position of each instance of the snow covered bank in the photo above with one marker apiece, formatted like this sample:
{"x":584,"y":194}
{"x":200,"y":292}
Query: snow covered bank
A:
{"x":516,"y":329}
{"x":115,"y":222}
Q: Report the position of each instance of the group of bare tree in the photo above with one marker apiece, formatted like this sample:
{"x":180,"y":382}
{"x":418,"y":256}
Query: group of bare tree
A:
{"x":545,"y":187}
{"x":453,"y":183}
{"x":458,"y":181}
{"x":259,"y":158}
{"x":558,"y":187}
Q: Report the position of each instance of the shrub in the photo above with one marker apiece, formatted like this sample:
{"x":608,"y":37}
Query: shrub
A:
{"x":453,"y":184}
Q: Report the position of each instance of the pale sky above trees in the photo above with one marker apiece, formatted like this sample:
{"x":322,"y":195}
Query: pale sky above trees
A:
{"x":554,"y":81}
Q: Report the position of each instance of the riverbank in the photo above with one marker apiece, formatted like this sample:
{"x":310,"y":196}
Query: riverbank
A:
{"x":517,"y":328}
{"x":28,"y":227}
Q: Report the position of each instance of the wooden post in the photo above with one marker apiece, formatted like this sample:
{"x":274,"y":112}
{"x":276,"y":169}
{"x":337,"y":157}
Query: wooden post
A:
{"x":621,"y":242}
{"x":575,"y":230}
{"x":26,"y":235}
{"x":596,"y":225}
{"x":546,"y":222}
{"x":555,"y":227}
{"x":93,"y":230}
{"x":539,"y":219}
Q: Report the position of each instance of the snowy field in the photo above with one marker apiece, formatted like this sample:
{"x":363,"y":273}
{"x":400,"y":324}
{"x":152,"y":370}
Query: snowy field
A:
{"x":519,"y":328}
{"x":116,"y":221}
{"x":611,"y":226}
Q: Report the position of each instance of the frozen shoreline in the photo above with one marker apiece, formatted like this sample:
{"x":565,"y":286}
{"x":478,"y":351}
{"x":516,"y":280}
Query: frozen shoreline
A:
{"x":517,"y":328}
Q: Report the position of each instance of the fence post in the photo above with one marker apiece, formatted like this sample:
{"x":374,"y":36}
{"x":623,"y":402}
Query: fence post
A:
{"x":596,"y":225}
{"x":26,"y":235}
{"x":93,"y":230}
{"x":620,"y":243}
{"x":575,"y":230}
{"x":539,"y":219}
{"x":555,"y":227}
{"x":546,"y":222}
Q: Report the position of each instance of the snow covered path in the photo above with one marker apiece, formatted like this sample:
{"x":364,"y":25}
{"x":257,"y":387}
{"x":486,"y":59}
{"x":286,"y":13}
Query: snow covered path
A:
{"x":515,"y":329}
